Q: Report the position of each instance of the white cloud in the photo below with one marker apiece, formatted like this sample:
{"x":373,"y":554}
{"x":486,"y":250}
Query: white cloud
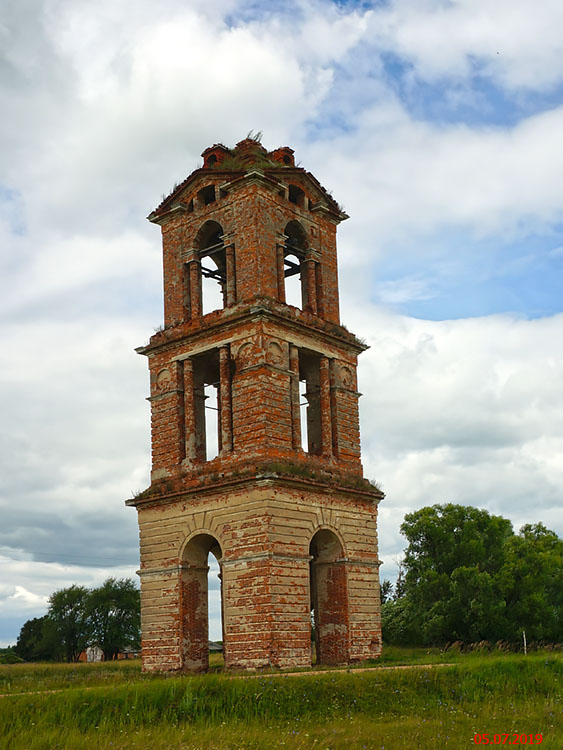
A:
{"x":70,"y":265}
{"x":515,"y":43}
{"x":403,"y":290}
{"x":28,"y":598}
{"x":464,"y":411}
{"x":402,"y":180}
{"x":142,"y":97}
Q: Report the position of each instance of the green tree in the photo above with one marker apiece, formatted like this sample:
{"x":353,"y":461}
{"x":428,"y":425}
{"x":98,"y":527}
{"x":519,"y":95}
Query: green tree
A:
{"x":38,"y":640}
{"x":9,"y":656}
{"x":385,"y":591}
{"x":531,"y":583}
{"x":454,"y":555}
{"x":67,"y":611}
{"x":470,"y":578}
{"x":399,"y":622}
{"x":114,"y":618}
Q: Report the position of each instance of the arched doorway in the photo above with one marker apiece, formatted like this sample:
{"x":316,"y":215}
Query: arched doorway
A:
{"x":194,"y":609}
{"x":329,"y":598}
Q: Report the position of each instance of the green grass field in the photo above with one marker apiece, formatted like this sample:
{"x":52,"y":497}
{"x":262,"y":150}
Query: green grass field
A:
{"x":116,"y":706}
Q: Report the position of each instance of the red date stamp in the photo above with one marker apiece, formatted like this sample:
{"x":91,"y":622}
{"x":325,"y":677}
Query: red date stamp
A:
{"x":508,"y":739}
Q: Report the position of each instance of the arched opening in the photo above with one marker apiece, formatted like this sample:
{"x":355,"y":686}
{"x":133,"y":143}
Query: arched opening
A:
{"x":310,"y":401}
{"x":329,"y":598}
{"x":200,"y":597}
{"x":206,"y":377}
{"x":213,"y":267}
{"x":294,"y":257}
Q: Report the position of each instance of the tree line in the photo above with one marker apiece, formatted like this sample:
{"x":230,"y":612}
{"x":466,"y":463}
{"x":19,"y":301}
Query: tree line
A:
{"x":466,"y":576}
{"x":108,"y":617}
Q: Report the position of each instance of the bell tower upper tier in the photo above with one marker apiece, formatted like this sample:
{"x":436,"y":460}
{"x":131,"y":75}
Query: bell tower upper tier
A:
{"x":280,"y":219}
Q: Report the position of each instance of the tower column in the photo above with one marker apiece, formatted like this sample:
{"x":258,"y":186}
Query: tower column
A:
{"x":230,"y":273}
{"x":326,"y":407}
{"x":225,"y":395}
{"x":311,"y":273}
{"x":280,"y":269}
{"x":194,"y":266}
{"x":189,"y":410}
{"x":192,"y":284}
{"x":320,"y":291}
{"x":186,"y":296}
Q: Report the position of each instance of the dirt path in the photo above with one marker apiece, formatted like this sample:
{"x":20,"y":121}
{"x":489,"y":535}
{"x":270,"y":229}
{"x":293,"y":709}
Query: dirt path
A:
{"x":255,"y":675}
{"x":337,"y":670}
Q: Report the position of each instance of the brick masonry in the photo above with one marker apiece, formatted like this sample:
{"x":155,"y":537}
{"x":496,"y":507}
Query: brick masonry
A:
{"x":294,"y":529}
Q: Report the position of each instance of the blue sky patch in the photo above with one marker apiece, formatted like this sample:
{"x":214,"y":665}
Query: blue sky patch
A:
{"x":12,"y":210}
{"x":459,"y":278}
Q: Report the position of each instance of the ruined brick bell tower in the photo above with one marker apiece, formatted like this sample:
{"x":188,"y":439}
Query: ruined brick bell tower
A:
{"x":255,"y":429}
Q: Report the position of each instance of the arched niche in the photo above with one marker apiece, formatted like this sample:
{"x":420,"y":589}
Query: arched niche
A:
{"x":329,"y":598}
{"x":194,"y":600}
{"x":297,"y":196}
{"x":207,"y":194}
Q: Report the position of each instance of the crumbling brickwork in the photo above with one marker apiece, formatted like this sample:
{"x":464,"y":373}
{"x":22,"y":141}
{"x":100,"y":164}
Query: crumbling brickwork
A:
{"x":274,"y":490}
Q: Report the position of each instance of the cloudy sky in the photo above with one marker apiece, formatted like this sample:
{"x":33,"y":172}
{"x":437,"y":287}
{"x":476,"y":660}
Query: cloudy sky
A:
{"x":436,"y":123}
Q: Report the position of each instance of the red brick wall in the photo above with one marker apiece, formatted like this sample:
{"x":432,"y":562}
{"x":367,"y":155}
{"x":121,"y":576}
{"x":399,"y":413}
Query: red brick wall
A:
{"x":264,"y":534}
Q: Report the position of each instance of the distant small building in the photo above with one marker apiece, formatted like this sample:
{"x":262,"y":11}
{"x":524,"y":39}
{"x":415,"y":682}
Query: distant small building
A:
{"x":129,"y":653}
{"x":96,"y":654}
{"x":92,"y":653}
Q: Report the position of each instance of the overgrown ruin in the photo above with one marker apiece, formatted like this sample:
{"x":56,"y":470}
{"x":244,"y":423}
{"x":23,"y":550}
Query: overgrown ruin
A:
{"x":255,"y":428}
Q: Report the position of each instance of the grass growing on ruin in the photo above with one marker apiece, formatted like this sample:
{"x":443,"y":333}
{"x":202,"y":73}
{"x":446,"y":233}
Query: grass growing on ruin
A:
{"x":384,"y":708}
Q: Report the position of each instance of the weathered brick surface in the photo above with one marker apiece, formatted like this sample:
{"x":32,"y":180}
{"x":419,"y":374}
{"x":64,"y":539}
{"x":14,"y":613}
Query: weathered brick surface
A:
{"x":294,"y":529}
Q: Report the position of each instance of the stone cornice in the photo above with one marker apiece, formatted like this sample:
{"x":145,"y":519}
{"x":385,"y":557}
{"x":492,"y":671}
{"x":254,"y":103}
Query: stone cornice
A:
{"x":272,"y":178}
{"x":230,"y":317}
{"x":261,"y":479}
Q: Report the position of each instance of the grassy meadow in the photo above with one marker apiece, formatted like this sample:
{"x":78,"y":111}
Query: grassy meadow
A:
{"x":115,"y":705}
